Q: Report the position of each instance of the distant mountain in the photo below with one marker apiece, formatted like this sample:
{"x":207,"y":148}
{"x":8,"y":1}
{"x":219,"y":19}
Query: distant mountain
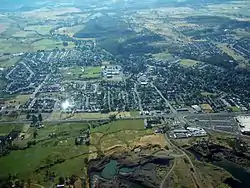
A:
{"x":13,"y":5}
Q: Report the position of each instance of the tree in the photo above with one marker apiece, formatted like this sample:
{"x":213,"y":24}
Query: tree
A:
{"x":112,"y":117}
{"x":86,"y":161}
{"x":65,"y":44}
{"x":35,"y":134}
{"x":28,"y":116}
{"x":34,"y":119}
{"x":61,"y":181}
{"x":29,"y":183}
{"x":40,"y":118}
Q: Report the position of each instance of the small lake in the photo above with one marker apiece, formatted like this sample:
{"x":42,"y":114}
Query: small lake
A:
{"x":110,"y":170}
{"x":237,"y":172}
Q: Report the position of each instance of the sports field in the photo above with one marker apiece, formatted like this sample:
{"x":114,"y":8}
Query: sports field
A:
{"x":75,"y":73}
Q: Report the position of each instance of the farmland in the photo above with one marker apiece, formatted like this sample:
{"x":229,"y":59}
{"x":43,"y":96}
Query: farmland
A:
{"x":111,"y":137}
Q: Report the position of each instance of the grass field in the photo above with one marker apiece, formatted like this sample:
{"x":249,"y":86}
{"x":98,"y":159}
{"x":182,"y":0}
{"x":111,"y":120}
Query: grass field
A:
{"x":24,"y":34}
{"x":123,"y":135}
{"x":108,"y":138}
{"x":41,"y":29}
{"x":120,"y":125}
{"x":77,"y":116}
{"x":7,"y":128}
{"x":163,"y":56}
{"x":120,"y":114}
{"x":82,"y":73}
{"x":49,"y":44}
{"x":13,"y":46}
{"x":188,"y":62}
{"x":49,"y":13}
{"x":18,"y":100}
{"x":47,"y":150}
{"x":232,"y":53}
{"x":6,"y":62}
{"x":207,"y":94}
{"x":134,"y":113}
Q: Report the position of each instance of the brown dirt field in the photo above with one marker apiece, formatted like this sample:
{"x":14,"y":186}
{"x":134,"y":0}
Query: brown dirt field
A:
{"x":92,"y":156}
{"x":110,"y":141}
{"x":153,"y":140}
{"x":115,"y":148}
{"x":95,"y":138}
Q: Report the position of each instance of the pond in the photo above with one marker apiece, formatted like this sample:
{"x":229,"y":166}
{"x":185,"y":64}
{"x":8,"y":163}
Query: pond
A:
{"x":237,"y":172}
{"x":110,"y":170}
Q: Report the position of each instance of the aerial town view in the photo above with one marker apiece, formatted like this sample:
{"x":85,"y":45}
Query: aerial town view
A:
{"x":125,"y":93}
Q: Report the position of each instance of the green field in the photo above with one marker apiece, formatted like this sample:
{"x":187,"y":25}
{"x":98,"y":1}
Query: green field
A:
{"x":6,"y":62}
{"x":41,"y":29}
{"x":13,"y":46}
{"x":75,"y":73}
{"x":7,"y":128}
{"x":116,"y":126}
{"x":49,"y":44}
{"x":47,"y":150}
{"x":33,"y":162}
{"x":24,"y":34}
{"x":163,"y":56}
{"x":188,"y":62}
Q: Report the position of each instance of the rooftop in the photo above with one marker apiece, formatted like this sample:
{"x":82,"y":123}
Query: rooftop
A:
{"x":244,"y":123}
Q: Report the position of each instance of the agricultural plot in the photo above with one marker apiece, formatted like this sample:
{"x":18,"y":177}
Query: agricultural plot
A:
{"x":41,"y":29}
{"x":49,"y":13}
{"x":24,"y":34}
{"x":49,"y":44}
{"x":13,"y":46}
{"x":54,"y":150}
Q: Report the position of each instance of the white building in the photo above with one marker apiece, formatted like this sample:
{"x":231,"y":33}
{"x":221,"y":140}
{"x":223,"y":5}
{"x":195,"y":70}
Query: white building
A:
{"x":244,"y":124}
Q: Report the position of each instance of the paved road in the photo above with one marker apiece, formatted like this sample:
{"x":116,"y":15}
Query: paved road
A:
{"x":197,"y":182}
{"x":172,"y":109}
{"x":138,"y":97}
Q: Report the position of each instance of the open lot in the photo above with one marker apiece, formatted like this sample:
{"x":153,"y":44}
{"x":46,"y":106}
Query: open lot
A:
{"x":41,"y":29}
